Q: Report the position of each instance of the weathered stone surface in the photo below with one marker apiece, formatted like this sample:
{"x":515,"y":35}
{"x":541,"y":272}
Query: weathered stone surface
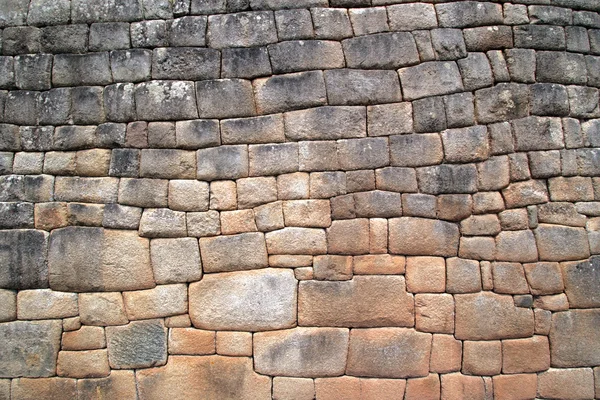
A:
{"x":466,"y":144}
{"x":525,"y":355}
{"x":83,"y":364}
{"x":23,"y":259}
{"x":161,"y":301}
{"x":581,"y":282}
{"x":289,"y":92}
{"x":416,"y":150}
{"x":292,"y":56}
{"x":241,"y":62}
{"x":418,"y":236}
{"x":561,"y":67}
{"x":265,"y":129}
{"x":325,"y":123}
{"x":225,"y":162}
{"x":248,"y":300}
{"x":24,"y":388}
{"x":516,"y":246}
{"x":8,"y":310}
{"x":469,"y":13}
{"x":574,"y":338}
{"x":46,"y":304}
{"x":191,"y":341}
{"x":293,"y":388}
{"x":140,"y":344}
{"x":250,"y":252}
{"x":273,"y":159}
{"x":301,"y":352}
{"x":131,"y":65}
{"x":167,"y":164}
{"x":446,"y":354}
{"x":425,"y":274}
{"x":102,"y":309}
{"x":348,"y":237}
{"x":165,"y":100}
{"x":149,"y":33}
{"x":366,"y":153}
{"x":175,"y":260}
{"x":430,"y":79}
{"x":189,"y":63}
{"x":244,"y":29}
{"x":355,"y":86}
{"x":537,"y":133}
{"x":505,"y":101}
{"x":84,"y":259}
{"x":225,"y":98}
{"x":84,"y":338}
{"x":81,"y":69}
{"x":372,"y":353}
{"x":119,"y":384}
{"x":29,"y":348}
{"x":482,"y":357}
{"x":525,"y":193}
{"x":216,"y":377}
{"x":411,"y":17}
{"x":489,"y":316}
{"x":381,"y":51}
{"x":434,"y":313}
{"x":561,"y":243}
{"x":347,"y":304}
{"x":295,"y":240}
{"x":162,"y":222}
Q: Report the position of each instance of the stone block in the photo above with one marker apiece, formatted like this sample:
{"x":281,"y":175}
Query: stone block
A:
{"x":288,"y":92}
{"x":525,"y":193}
{"x":561,"y":243}
{"x":561,"y":67}
{"x":538,"y":133}
{"x":348,"y":237}
{"x":525,"y":355}
{"x":396,"y":179}
{"x":460,"y":110}
{"x":389,"y":119}
{"x":381,"y":51}
{"x":516,"y":246}
{"x":509,"y":278}
{"x":140,"y":344}
{"x":83,"y":364}
{"x":111,"y":135}
{"x":224,"y":162}
{"x":93,"y":162}
{"x":21,"y":107}
{"x":149,"y":33}
{"x":64,"y":38}
{"x":188,"y":31}
{"x":448,"y":44}
{"x":504,"y":101}
{"x":143,"y":192}
{"x":174,"y":99}
{"x":161,"y":301}
{"x":544,"y":278}
{"x":325,"y":123}
{"x":294,"y":24}
{"x":347,"y":304}
{"x":540,"y":37}
{"x":429,"y":115}
{"x":581,"y":280}
{"x":188,"y":195}
{"x":108,"y":36}
{"x":331,"y":23}
{"x":307,"y":213}
{"x":225,"y":98}
{"x":293,"y":388}
{"x":32,"y":71}
{"x":16,"y":215}
{"x":272,"y":159}
{"x":573,"y":339}
{"x":357,"y":87}
{"x":302,"y":55}
{"x":441,"y":78}
{"x":368,"y":346}
{"x":21,"y":40}
{"x":131,"y":65}
{"x":332,"y":268}
{"x":415,"y":150}
{"x":521,"y":65}
{"x":368,"y":20}
{"x":264,"y":129}
{"x":85,"y":214}
{"x":223,"y":195}
{"x":247,"y":300}
{"x":169,"y":264}
{"x":81,"y":69}
{"x":23,"y":388}
{"x":29,"y":349}
{"x":245,"y":29}
{"x":191,"y":341}
{"x":515,"y":386}
{"x":428,"y":237}
{"x":466,"y":144}
{"x":167,"y":163}
{"x":446,"y":178}
{"x":252,"y":192}
{"x":102,"y":309}
{"x":366,"y":153}
{"x":119,"y":384}
{"x":24,"y":259}
{"x":560,"y":213}
{"x":568,"y":383}
{"x":467,"y":14}
{"x":84,"y":338}
{"x":570,"y":189}
{"x":434,"y":313}
{"x":46,"y":304}
{"x":295,"y":240}
{"x":380,"y":264}
{"x":88,"y":107}
{"x":234,"y":343}
{"x":269,"y":217}
{"x":8,"y":310}
{"x":246,"y":63}
{"x":411,"y":17}
{"x":162,"y":222}
{"x":195,"y":134}
{"x":250,"y":252}
{"x":482,"y":357}
{"x":463,"y":276}
{"x":318,"y":156}
{"x":488,"y":38}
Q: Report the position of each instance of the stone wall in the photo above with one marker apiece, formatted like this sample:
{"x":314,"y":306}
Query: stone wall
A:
{"x":290,"y":199}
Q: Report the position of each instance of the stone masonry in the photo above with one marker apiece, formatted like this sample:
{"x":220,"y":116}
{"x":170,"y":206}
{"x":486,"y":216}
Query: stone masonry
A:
{"x":299,"y":199}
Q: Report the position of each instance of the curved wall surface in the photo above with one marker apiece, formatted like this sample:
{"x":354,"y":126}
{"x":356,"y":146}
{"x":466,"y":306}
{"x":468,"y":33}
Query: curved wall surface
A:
{"x":299,"y":199}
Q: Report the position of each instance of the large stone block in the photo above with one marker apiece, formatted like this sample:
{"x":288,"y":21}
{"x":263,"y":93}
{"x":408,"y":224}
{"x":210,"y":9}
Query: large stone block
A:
{"x":81,"y":69}
{"x":361,"y":86}
{"x":416,"y":150}
{"x":247,"y":301}
{"x":561,"y":67}
{"x":538,"y":133}
{"x":574,"y":338}
{"x":430,"y":79}
{"x":561,"y":243}
{"x":224,"y":162}
{"x":29,"y":348}
{"x":175,"y":260}
{"x":190,"y":63}
{"x":540,"y":37}
{"x":246,"y":62}
{"x":419,"y":236}
{"x":502,"y":102}
{"x":45,"y":388}
{"x":265,"y":129}
{"x":567,"y":383}
{"x":468,"y":13}
{"x":23,"y":262}
{"x":273,"y":159}
{"x":245,"y":29}
{"x":165,"y":100}
{"x":349,"y":303}
{"x":225,"y":98}
{"x":215,"y":377}
{"x":381,"y":51}
{"x":46,"y":304}
{"x":82,"y":259}
{"x":161,"y":301}
{"x":582,"y":282}
{"x":489,"y":316}
{"x":168,"y":164}
{"x":466,"y":144}
{"x":120,"y":384}
{"x":162,"y":222}
{"x":348,"y":237}
{"x":305,"y":55}
{"x":301,"y":352}
{"x":411,"y":17}
{"x":93,"y":11}
{"x":289,"y":92}
{"x":326,"y":123}
{"x":375,"y":353}
{"x":293,"y":240}
{"x":448,"y":178}
{"x":234,"y":253}
{"x":139,"y":344}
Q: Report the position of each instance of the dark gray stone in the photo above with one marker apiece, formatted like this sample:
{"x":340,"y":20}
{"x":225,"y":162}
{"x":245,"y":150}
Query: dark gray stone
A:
{"x":442,"y":179}
{"x":290,"y":92}
{"x":208,"y":7}
{"x":225,"y":98}
{"x":583,"y":102}
{"x":361,"y":87}
{"x":140,"y":344}
{"x":30,"y":188}
{"x":429,"y":115}
{"x":545,"y":164}
{"x":117,"y":216}
{"x":245,"y":62}
{"x":448,"y":44}
{"x":264,"y":129}
{"x":43,"y":13}
{"x":16,"y":215}
{"x":188,"y":31}
{"x":224,"y":162}
{"x":6,"y":162}
{"x":369,"y":20}
{"x":37,"y":138}
{"x":65,"y":39}
{"x":54,"y":106}
{"x":588,"y":161}
{"x":111,"y":135}
{"x":504,"y":101}
{"x":378,"y":204}
{"x":33,"y":71}
{"x":537,"y":133}
{"x":586,"y":19}
{"x":294,"y":24}
{"x":540,"y":37}
{"x":21,"y":40}
{"x":326,"y":123}
{"x":381,"y":51}
{"x":88,"y":11}
{"x":23,"y":259}
{"x":365,"y":153}
{"x":305,"y":55}
{"x":88,"y":105}
{"x":416,"y":150}
{"x":572,"y":132}
{"x":7,"y":72}
{"x":577,"y":4}
{"x":161,"y":134}
{"x":157,"y":9}
{"x":549,"y":15}
{"x":143,"y":192}
{"x":272,"y":159}
{"x":165,"y":100}
{"x":76,"y":70}
{"x":574,"y":337}
{"x":593,"y":69}
{"x":149,"y":34}
{"x":331,"y":23}
{"x":131,"y":65}
{"x":521,"y":65}
{"x":245,"y":29}
{"x":10,"y":139}
{"x":594,"y":36}
{"x":460,"y":110}
{"x":577,"y":39}
{"x":29,"y":348}
{"x":185,"y":63}
{"x":423,"y":41}
{"x":318,"y":155}
{"x":396,"y":179}
{"x":237,"y":5}
{"x":468,"y":13}
{"x":561,"y":67}
{"x":74,"y":137}
{"x":498,"y":63}
{"x":21,"y":107}
{"x":136,"y":134}
{"x":13,"y":12}
{"x":109,"y":36}
{"x":430,"y":79}
{"x":549,"y":99}
{"x":118,"y":102}
{"x":285,"y":4}
{"x":197,"y":134}
{"x":476,"y":71}
{"x":582,"y":283}
{"x":466,"y":144}
{"x":488,"y":38}
{"x":124,"y":163}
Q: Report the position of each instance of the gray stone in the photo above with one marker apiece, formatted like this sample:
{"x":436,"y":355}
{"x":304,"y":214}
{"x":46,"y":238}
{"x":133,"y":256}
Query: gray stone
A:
{"x":574,"y":338}
{"x":466,"y":144}
{"x":367,"y":20}
{"x":6,"y":162}
{"x":423,"y":41}
{"x":161,"y":134}
{"x":442,"y":179}
{"x":545,"y":164}
{"x":389,"y":119}
{"x":366,"y":153}
{"x":245,"y":62}
{"x":23,"y":259}
{"x":201,"y":224}
{"x":189,"y":63}
{"x":81,"y":69}
{"x":140,"y":344}
{"x":30,"y":188}
{"x":301,"y":55}
{"x":21,"y":107}
{"x":331,"y":23}
{"x":188,"y":31}
{"x":168,"y":164}
{"x":488,"y":38}
{"x":265,"y":129}
{"x":109,"y":36}
{"x":289,"y":92}
{"x":125,"y":163}
{"x":32,"y":71}
{"x":162,"y":223}
{"x":245,"y":29}
{"x":225,"y":162}
{"x":468,"y":13}
{"x":301,"y":352}
{"x":323,"y":123}
{"x":88,"y":105}
{"x":117,"y":216}
{"x":37,"y":138}
{"x":225,"y":98}
{"x":65,"y":39}
{"x":285,"y":4}
{"x":577,"y":39}
{"x":8,"y":311}
{"x":86,"y":190}
{"x":586,"y":18}
{"x":582,"y":282}
{"x":157,"y":9}
{"x":430,"y":79}
{"x":448,"y":44}
{"x":175,"y":260}
{"x":396,"y":179}
{"x":525,"y":193}
{"x":7,"y":76}
{"x":377,"y":204}
{"x":476,"y":71}
{"x":588,"y":161}
{"x":165,"y":100}
{"x":498,"y":63}
{"x":504,"y":101}
{"x":149,"y":34}
{"x":411,"y":17}
{"x":429,"y":115}
{"x":381,"y":51}
{"x":593,"y":67}
{"x":549,"y":99}
{"x":561,"y":67}
{"x":583,"y":102}
{"x":208,"y":6}
{"x":460,"y":110}
{"x":131,"y":65}
{"x":416,"y":150}
{"x":10,"y":139}
{"x":16,"y":215}
{"x":550,"y":15}
{"x":250,"y":252}
{"x":248,"y":300}
{"x":54,"y":106}
{"x":355,"y":87}
{"x":21,"y":40}
{"x":294,"y":24}
{"x":521,"y":65}
{"x":118,"y":102}
{"x":561,"y":243}
{"x":115,"y":10}
{"x":537,"y":133}
{"x":13,"y":12}
{"x":29,"y":349}
{"x":540,"y":37}
{"x":318,"y":156}
{"x":427,"y":237}
{"x":273,"y":159}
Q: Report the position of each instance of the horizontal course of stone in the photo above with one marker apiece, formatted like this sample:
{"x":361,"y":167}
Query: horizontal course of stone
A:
{"x":299,"y":199}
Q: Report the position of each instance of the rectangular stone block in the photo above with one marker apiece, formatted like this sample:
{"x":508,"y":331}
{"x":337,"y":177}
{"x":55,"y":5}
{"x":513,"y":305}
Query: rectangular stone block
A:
{"x":225,"y":98}
{"x":429,"y":237}
{"x":295,"y":240}
{"x":167,"y":164}
{"x":241,"y":62}
{"x":273,"y":159}
{"x":430,"y":79}
{"x":468,"y":13}
{"x":109,"y":36}
{"x":325,"y":123}
{"x":64,"y":38}
{"x":188,"y":31}
{"x":303,"y":55}
{"x":358,"y":87}
{"x":561,"y":67}
{"x":140,"y":344}
{"x":234,"y":253}
{"x":540,"y":37}
{"x":46,"y":304}
{"x":162,"y":222}
{"x":86,"y":190}
{"x":131,"y":65}
{"x":503,"y":102}
{"x":245,"y":29}
{"x":445,"y":178}
{"x":165,"y":100}
{"x":265,"y":129}
{"x":83,"y":364}
{"x":289,"y":92}
{"x":225,"y":162}
{"x":161,"y":301}
{"x":331,"y":23}
{"x":381,"y":51}
{"x":573,"y":339}
{"x":411,"y":17}
{"x":191,"y":341}
{"x":81,"y":69}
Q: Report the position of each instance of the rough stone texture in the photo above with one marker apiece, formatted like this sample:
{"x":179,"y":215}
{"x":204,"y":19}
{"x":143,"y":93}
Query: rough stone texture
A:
{"x":430,"y":79}
{"x":250,"y":252}
{"x":140,"y":344}
{"x":573,"y":339}
{"x":571,"y":383}
{"x":24,"y":264}
{"x":581,"y":280}
{"x":427,"y":237}
{"x":161,"y":301}
{"x":46,"y":304}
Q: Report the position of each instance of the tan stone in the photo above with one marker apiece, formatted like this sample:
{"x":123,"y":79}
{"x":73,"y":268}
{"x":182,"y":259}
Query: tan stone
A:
{"x":434,"y":313}
{"x":102,"y":309}
{"x":488,"y":316}
{"x":332,"y":268}
{"x":188,"y":195}
{"x":425,"y":274}
{"x":234,"y":253}
{"x":543,"y":321}
{"x":162,"y":301}
{"x":378,"y":235}
{"x":427,"y":388}
{"x":574,"y":338}
{"x":202,"y":224}
{"x":308,"y":241}
{"x":487,"y":202}
{"x":561,"y":243}
{"x":290,"y":261}
{"x":83,"y":364}
{"x":191,"y":341}
{"x":352,"y":303}
{"x":477,"y":248}
{"x":50,"y":216}
{"x":454,"y":207}
{"x":175,"y":260}
{"x":223,"y":195}
{"x":487,"y":279}
{"x":567,"y":384}
{"x":525,"y":355}
{"x":43,"y":388}
{"x":238,"y":221}
{"x":348,"y":237}
{"x":269,"y":217}
{"x":544,"y":278}
{"x":178,"y":321}
{"x":462,"y":387}
{"x":462,"y":276}
{"x":85,"y":338}
{"x":307,"y":213}
{"x":293,"y":186}
{"x":576,"y":188}
{"x":509,"y":278}
{"x":420,"y":236}
{"x":71,"y":324}
{"x":301,"y":352}
{"x":374,"y":389}
{"x":46,"y":304}
{"x":85,"y":214}
{"x":555,"y":302}
{"x":597,"y":381}
{"x":216,"y":377}
{"x":5,"y":389}
{"x":375,"y":353}
{"x":446,"y":354}
{"x":93,"y":162}
{"x":304,"y":273}
{"x":234,"y":343}
{"x":252,"y":192}
{"x":379,"y":264}
{"x":525,"y":193}
{"x":482,"y":357}
{"x":487,"y":224}
{"x":515,"y":387}
{"x":293,"y":388}
{"x":119,"y":385}
{"x":344,"y":387}
{"x":516,"y":246}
